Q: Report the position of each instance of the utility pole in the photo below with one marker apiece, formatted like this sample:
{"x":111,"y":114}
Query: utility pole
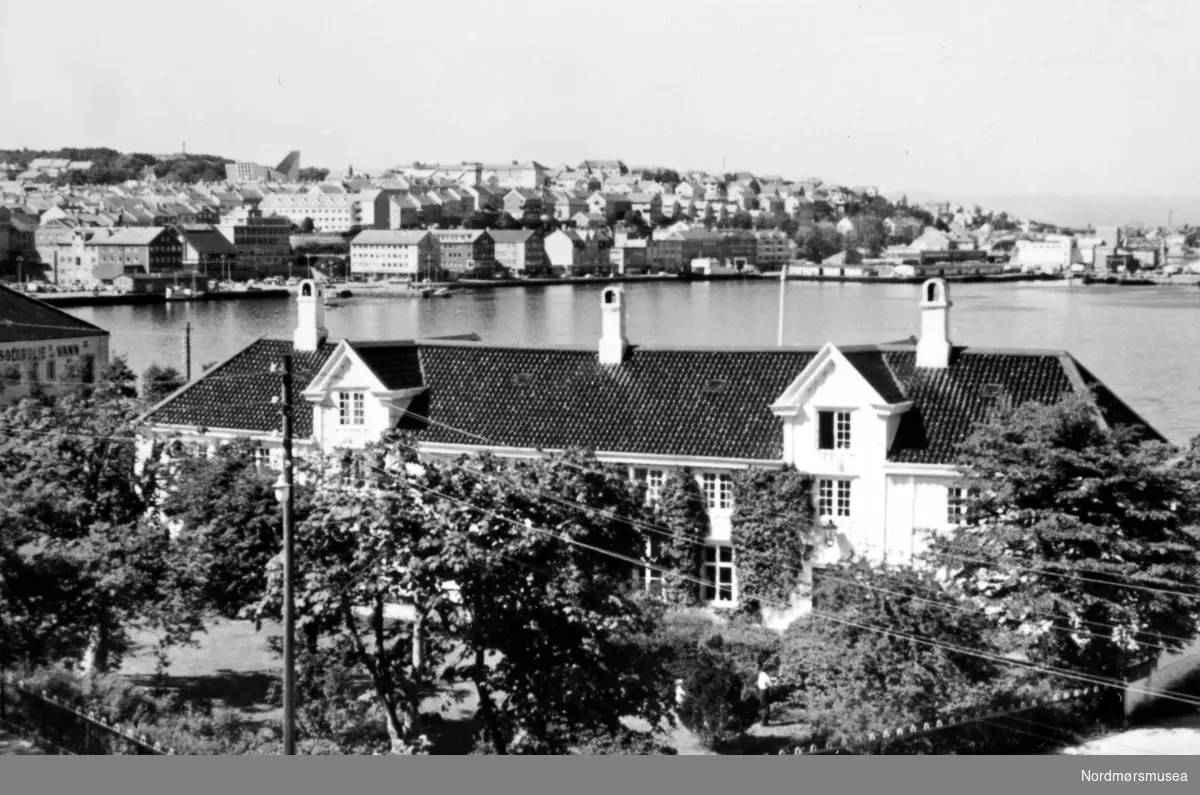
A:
{"x":187,"y":352}
{"x":782,"y":290}
{"x":289,"y":618}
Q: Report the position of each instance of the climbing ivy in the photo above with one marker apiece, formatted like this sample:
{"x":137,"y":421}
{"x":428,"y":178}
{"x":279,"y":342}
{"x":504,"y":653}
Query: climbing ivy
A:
{"x":681,"y":515}
{"x":773,"y":533}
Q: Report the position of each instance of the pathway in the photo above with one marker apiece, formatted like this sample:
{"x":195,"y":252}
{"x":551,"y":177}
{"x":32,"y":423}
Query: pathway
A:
{"x":1178,"y":736}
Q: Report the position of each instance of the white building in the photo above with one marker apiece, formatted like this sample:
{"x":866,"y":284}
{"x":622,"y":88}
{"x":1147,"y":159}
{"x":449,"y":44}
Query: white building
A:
{"x":390,"y":253}
{"x":876,"y":426}
{"x":1054,"y":254}
{"x":329,"y":212}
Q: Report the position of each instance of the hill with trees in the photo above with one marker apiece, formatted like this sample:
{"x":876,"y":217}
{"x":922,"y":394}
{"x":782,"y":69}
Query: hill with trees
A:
{"x":110,"y":166}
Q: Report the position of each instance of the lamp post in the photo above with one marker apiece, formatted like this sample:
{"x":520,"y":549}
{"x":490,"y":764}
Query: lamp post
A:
{"x":283,"y":493}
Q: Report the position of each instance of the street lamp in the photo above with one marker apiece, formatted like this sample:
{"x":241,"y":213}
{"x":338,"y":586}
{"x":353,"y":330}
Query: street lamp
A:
{"x":283,"y":494}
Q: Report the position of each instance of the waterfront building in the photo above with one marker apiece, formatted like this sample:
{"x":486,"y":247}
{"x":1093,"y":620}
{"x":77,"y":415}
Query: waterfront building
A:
{"x":137,"y":249}
{"x":774,"y":247}
{"x":207,"y":252}
{"x":575,"y":252}
{"x":1054,"y":254}
{"x":394,"y":254}
{"x":463,"y":251}
{"x":263,"y":243}
{"x":45,"y":345}
{"x":876,"y":426}
{"x":522,"y":251}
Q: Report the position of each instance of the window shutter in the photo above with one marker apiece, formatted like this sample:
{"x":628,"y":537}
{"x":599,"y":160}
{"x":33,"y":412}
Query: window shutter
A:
{"x":825,"y":430}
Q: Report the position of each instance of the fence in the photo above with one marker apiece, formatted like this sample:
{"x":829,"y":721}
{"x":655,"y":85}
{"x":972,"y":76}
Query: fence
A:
{"x":62,"y":729}
{"x":881,"y":739}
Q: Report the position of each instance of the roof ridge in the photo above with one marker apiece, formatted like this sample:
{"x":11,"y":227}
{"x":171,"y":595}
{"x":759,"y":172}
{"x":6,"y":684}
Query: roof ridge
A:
{"x":83,"y":324}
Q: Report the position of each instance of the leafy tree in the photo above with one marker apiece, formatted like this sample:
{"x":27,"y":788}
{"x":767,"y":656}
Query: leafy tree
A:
{"x":158,"y":382}
{"x":741,"y":220}
{"x":506,"y":221}
{"x":818,"y":245}
{"x":853,"y":669}
{"x":307,"y":226}
{"x":714,"y":706}
{"x":550,"y":604}
{"x":1065,"y":516}
{"x":680,"y":511}
{"x":387,"y":530}
{"x":773,"y":532}
{"x":311,"y":174}
{"x":225,"y":508}
{"x":79,"y":531}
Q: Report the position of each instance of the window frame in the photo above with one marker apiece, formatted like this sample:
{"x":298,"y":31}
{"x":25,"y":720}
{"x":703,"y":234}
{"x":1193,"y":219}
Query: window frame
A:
{"x":835,"y":498}
{"x":718,"y":558}
{"x":352,"y":412}
{"x":717,"y":488}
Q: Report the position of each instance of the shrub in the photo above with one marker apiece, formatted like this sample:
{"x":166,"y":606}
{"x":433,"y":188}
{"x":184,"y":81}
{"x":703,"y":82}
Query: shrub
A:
{"x":714,"y":707}
{"x":751,"y":647}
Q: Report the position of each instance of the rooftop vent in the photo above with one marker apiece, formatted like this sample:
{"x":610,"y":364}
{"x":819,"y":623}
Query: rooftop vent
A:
{"x":714,"y":385}
{"x":523,"y":379}
{"x":992,"y":390}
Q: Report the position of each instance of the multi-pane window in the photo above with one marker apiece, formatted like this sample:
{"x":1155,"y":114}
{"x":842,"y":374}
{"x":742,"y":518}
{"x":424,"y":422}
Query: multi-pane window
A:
{"x":653,"y":480}
{"x":718,"y":574}
{"x":833,"y":430}
{"x":718,"y":490}
{"x":262,"y":457}
{"x":351,"y":408}
{"x":956,"y":505}
{"x":50,"y":370}
{"x":833,"y":498}
{"x":650,"y":577}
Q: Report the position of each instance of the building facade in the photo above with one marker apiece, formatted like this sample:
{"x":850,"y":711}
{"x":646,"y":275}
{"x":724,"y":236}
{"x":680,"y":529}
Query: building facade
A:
{"x":876,"y":426}
{"x":462,"y":251}
{"x":263,"y":243}
{"x":394,"y":254}
{"x":141,"y":249}
{"x":521,"y":251}
{"x":42,"y":345}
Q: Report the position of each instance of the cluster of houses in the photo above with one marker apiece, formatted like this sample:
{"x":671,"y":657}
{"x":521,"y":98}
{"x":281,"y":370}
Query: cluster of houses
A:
{"x":520,"y":219}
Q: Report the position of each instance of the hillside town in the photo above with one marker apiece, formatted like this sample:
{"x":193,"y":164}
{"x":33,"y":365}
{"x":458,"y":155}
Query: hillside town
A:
{"x":421,"y":539}
{"x":520,"y":220}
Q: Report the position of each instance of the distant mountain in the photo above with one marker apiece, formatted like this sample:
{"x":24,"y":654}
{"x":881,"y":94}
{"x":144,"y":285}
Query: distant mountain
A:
{"x":1077,"y":210}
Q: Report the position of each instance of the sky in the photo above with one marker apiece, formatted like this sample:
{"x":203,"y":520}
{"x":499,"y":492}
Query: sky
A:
{"x":952,"y":98}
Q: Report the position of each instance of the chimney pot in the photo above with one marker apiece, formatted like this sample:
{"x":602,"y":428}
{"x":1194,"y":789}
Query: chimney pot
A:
{"x":613,"y":343}
{"x":310,"y":320}
{"x":933,"y":348}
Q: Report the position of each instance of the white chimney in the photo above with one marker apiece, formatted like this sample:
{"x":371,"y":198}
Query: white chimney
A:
{"x":933,"y":349}
{"x":310,"y":320}
{"x":613,"y":343}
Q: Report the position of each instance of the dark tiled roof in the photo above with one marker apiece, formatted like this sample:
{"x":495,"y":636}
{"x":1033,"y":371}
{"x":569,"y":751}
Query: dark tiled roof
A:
{"x":681,"y":402}
{"x":26,"y":319}
{"x":948,"y":403}
{"x":395,"y":364}
{"x":678,"y":402}
{"x":240,"y":392}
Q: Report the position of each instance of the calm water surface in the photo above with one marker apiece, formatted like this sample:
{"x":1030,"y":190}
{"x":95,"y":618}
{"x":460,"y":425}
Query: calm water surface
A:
{"x":1140,"y":341}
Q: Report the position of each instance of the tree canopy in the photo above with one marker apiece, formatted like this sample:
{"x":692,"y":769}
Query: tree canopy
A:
{"x":1081,"y":534}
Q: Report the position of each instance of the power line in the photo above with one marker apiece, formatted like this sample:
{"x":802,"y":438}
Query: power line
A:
{"x":634,"y":522}
{"x":996,"y":564}
{"x":1086,"y":678}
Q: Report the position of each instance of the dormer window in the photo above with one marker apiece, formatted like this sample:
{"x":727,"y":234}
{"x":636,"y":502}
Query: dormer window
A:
{"x":351,"y":408}
{"x":833,"y":430}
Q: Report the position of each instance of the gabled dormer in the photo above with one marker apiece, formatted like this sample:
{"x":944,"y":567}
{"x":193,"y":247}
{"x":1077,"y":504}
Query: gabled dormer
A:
{"x":842,"y":412}
{"x":363,"y":389}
